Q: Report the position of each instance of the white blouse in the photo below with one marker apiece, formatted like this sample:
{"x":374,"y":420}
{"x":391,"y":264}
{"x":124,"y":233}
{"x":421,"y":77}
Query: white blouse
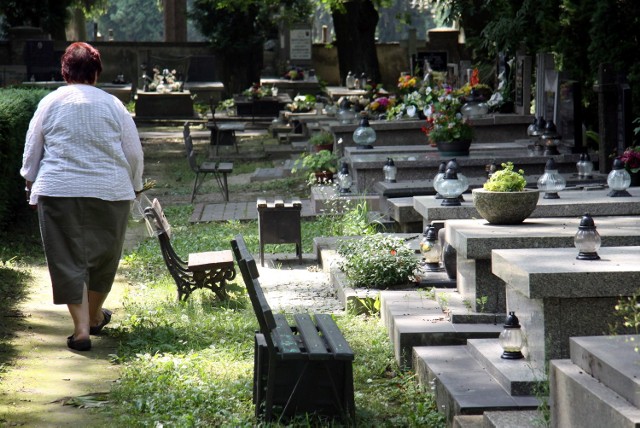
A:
{"x":82,"y":142}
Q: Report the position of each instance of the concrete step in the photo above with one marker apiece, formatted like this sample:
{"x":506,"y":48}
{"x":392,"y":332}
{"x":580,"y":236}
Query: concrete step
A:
{"x":599,"y":406}
{"x":413,"y":318}
{"x":462,"y":385}
{"x":513,"y":419}
{"x":468,"y":421}
{"x":517,"y":377}
{"x":612,"y":360}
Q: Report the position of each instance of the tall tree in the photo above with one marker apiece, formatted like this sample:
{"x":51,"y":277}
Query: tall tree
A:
{"x":51,"y":16}
{"x":354,"y":23}
{"x":237,"y":30}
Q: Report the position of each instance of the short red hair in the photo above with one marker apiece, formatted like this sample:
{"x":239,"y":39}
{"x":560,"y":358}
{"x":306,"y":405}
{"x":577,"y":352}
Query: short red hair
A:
{"x":80,"y":63}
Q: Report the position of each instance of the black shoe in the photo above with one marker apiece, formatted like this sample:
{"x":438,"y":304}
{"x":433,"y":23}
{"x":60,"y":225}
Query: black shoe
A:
{"x":106,"y":320}
{"x":78,"y":345}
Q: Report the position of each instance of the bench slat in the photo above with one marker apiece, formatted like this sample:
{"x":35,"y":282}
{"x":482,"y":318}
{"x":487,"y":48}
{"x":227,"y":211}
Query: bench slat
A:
{"x":313,"y":342}
{"x":210,"y":259}
{"x":337,"y":343}
{"x":284,"y":339}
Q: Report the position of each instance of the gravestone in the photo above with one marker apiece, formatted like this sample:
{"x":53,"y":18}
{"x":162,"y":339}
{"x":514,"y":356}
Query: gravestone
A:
{"x":546,"y":86}
{"x":522,"y":98}
{"x":614,"y":115}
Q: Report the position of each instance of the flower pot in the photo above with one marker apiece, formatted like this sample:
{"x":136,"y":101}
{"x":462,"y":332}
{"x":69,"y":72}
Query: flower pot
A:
{"x":505,"y":207}
{"x":454,"y":148}
{"x":319,"y":147}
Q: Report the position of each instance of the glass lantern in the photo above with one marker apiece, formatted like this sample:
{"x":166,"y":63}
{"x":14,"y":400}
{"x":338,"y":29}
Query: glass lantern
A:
{"x":450,"y":187}
{"x":439,"y":176}
{"x":550,"y":139}
{"x":364,"y":135}
{"x":453,"y":163}
{"x":618,"y":180}
{"x":511,"y":338}
{"x":431,"y":249}
{"x":344,"y":179}
{"x":587,"y":239}
{"x":551,"y":182}
{"x":390,"y":171}
{"x":475,"y":106}
{"x":584,"y":166}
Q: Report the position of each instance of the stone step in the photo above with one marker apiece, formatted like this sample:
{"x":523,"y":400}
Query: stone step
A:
{"x":612,"y":360}
{"x":462,"y":385}
{"x":468,"y":421}
{"x":413,"y":318}
{"x":599,"y":406}
{"x":517,"y":377}
{"x":513,"y":419}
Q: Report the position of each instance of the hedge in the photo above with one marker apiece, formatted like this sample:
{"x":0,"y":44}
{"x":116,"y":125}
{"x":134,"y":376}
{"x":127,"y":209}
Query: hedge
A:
{"x":16,"y":109}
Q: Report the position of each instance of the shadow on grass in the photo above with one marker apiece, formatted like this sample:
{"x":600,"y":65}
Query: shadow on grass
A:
{"x":20,"y":246}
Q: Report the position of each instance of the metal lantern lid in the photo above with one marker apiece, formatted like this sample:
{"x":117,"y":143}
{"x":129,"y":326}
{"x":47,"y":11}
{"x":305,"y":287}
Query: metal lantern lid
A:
{"x":587,"y":223}
{"x":618,"y":164}
{"x":451,"y":174}
{"x":453,"y":164}
{"x":512,"y":321}
{"x":344,"y":168}
{"x":550,"y":165}
{"x":390,"y":162}
{"x":442,"y":168}
{"x":550,"y":131}
{"x":430,"y":233}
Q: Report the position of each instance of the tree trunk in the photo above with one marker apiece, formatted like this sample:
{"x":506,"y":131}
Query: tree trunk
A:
{"x":355,"y":39}
{"x":240,"y":72}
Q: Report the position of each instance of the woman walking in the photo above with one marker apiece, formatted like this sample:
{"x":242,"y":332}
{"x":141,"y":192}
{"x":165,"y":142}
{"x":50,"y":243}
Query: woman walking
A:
{"x":83,"y":166}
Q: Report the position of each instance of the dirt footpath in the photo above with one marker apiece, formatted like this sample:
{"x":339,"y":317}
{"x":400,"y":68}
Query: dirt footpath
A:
{"x":46,"y":373}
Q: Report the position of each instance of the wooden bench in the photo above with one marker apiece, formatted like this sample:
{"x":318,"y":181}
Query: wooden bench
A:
{"x":304,"y":368}
{"x":210,"y":269}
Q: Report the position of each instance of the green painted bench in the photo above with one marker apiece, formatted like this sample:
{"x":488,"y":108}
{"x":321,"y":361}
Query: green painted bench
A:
{"x":300,"y":368}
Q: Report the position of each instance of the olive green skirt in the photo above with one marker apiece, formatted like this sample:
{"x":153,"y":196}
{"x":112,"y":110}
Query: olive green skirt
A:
{"x":82,"y":240}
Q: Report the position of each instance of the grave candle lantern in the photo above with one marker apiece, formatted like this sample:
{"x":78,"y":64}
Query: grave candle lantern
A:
{"x":584,"y":166}
{"x":551,"y":139}
{"x":344,"y":179}
{"x":450,"y":187}
{"x":618,"y":180}
{"x":587,"y":239}
{"x":439,"y":176}
{"x":511,"y":338}
{"x":431,"y":249}
{"x":364,"y":135}
{"x":551,"y":182}
{"x":390,"y":171}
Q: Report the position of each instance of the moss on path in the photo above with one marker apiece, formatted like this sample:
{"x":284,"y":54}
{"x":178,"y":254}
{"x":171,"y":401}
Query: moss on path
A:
{"x":46,"y":373}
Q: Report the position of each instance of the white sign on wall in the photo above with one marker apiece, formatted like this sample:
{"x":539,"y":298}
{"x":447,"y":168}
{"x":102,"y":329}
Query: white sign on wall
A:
{"x":300,"y":44}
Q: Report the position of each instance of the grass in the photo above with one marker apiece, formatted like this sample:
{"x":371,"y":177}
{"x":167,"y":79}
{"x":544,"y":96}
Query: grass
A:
{"x":190,"y":364}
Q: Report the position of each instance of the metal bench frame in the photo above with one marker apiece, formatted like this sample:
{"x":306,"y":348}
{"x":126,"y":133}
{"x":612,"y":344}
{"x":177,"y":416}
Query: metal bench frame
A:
{"x":302,"y":368}
{"x":211,"y":269}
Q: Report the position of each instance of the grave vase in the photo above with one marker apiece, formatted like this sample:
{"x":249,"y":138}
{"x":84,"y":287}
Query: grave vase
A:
{"x":454,"y":148}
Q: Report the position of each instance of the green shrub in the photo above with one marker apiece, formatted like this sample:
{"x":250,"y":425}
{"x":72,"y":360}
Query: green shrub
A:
{"x":506,"y":180}
{"x":16,"y":109}
{"x":377,"y":261}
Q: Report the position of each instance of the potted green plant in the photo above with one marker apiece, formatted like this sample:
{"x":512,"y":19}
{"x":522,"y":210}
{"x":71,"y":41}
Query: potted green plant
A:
{"x":322,"y":164}
{"x":503,"y":199}
{"x":446,"y":128}
{"x":322,"y":140}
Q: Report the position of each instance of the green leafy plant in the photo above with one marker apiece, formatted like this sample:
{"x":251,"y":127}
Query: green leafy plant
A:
{"x":628,"y":308}
{"x":321,"y":138}
{"x":506,"y":180}
{"x":482,"y":303}
{"x":324,"y":160}
{"x":377,"y":261}
{"x":301,"y":103}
